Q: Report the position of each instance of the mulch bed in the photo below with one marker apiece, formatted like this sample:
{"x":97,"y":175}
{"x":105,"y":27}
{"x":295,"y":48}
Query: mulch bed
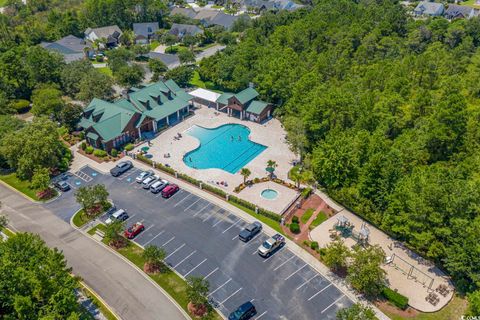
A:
{"x":197,"y":311}
{"x":100,"y":160}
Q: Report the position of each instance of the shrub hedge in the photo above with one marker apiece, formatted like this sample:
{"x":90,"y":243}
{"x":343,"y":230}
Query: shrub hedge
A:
{"x":89,"y":150}
{"x":295,"y":228}
{"x":100,"y":153}
{"x":397,"y":299}
{"x":306,"y":192}
{"x":295,"y":219}
{"x":114,"y":152}
{"x":314,"y":245}
{"x":129,"y":147}
{"x":83,"y":146}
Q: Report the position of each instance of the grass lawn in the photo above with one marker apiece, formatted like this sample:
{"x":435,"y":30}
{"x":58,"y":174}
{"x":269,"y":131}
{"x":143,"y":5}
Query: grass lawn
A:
{"x":321,"y":217}
{"x":100,"y":227}
{"x":307,"y":215}
{"x":197,"y":82}
{"x":154,"y":45}
{"x":103,"y":308}
{"x":470,"y":3}
{"x":8,"y":232}
{"x":271,"y":223}
{"x":452,"y":311}
{"x":175,"y":286}
{"x":22,"y":186}
{"x":106,"y":70}
{"x":80,"y":218}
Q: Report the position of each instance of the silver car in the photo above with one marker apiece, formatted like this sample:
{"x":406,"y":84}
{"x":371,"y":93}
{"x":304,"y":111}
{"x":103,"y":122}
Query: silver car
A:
{"x":147,"y":183}
{"x":158,"y":186}
{"x":144,"y":175}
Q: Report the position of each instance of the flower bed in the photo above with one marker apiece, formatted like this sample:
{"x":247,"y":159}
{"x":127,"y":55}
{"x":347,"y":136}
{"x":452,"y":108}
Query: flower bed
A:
{"x":247,"y":183}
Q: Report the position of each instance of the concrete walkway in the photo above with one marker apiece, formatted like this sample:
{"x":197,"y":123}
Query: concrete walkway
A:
{"x":129,"y":292}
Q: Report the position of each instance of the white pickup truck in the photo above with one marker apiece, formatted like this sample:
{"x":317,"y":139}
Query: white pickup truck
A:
{"x":271,"y":245}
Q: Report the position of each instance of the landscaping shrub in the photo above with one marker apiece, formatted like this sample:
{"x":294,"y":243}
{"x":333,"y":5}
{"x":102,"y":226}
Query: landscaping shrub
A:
{"x":83,"y":145}
{"x":251,"y":206}
{"x":114,"y":152}
{"x":100,"y":153}
{"x":217,"y":191}
{"x":306,"y":192}
{"x":295,"y":219}
{"x":189,"y":179}
{"x":89,"y":150}
{"x":99,"y":58}
{"x":129,"y":147}
{"x":398,"y":300}
{"x":314,"y":245}
{"x":20,"y":105}
{"x":256,"y":180}
{"x":295,"y":228}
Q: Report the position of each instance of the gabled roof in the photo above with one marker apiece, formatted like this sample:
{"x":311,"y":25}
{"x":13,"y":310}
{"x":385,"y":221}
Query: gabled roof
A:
{"x":223,"y":98}
{"x":454,"y":11}
{"x":187,"y":12}
{"x":142,"y":29}
{"x":71,"y":47}
{"x":206,"y":14}
{"x":105,"y":32}
{"x":429,"y":8}
{"x":170,"y":60}
{"x":246,"y":95}
{"x":179,"y":29}
{"x":257,"y":106}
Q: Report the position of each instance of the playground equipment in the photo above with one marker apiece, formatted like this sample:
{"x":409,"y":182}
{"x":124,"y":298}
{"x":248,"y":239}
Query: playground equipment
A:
{"x":346,"y":229}
{"x":412,"y":272}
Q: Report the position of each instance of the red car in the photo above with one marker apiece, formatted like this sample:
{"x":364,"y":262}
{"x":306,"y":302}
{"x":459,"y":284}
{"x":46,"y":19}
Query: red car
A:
{"x":134,"y":230}
{"x":170,"y":190}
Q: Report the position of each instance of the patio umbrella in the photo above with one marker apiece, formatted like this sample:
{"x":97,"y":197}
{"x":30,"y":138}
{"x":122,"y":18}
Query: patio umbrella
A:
{"x":270,"y":169}
{"x":145,"y":149}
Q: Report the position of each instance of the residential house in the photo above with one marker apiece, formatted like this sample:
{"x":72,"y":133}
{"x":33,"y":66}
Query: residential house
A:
{"x":432,"y":9}
{"x":186,"y":12}
{"x":244,"y":105}
{"x":70,"y":47}
{"x":181,"y":30}
{"x":111,"y":35}
{"x":455,"y":11}
{"x":144,"y":32}
{"x":170,"y":60}
{"x":139,"y":115}
{"x":259,"y":6}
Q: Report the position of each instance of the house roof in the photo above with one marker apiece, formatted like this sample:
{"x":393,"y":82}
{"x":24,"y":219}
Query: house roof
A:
{"x":204,"y":94}
{"x":246,"y":95}
{"x":429,"y":8}
{"x":206,"y":14}
{"x":187,"y":12}
{"x":260,"y":4}
{"x":70,"y":47}
{"x":92,"y":135}
{"x":170,"y":60}
{"x":142,"y":29}
{"x":73,"y":43}
{"x":257,"y":106}
{"x":179,"y":29}
{"x":105,"y":32}
{"x":454,"y":10}
{"x":223,"y":98}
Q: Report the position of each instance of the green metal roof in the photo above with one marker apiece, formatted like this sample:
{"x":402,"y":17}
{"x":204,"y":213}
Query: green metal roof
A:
{"x":92,"y":135}
{"x":167,"y":109}
{"x":246,"y":95}
{"x":257,"y":107}
{"x":223,"y":99}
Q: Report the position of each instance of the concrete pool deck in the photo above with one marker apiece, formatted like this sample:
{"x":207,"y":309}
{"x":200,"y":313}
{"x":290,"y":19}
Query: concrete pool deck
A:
{"x":270,"y":134}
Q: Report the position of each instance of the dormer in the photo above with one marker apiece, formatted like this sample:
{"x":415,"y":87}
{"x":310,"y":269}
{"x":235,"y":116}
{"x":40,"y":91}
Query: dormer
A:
{"x":145,"y":103}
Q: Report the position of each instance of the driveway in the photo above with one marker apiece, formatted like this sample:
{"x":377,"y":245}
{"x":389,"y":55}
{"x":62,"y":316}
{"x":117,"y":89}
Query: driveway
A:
{"x":201,"y":239}
{"x":209,"y":52}
{"x":124,"y":289}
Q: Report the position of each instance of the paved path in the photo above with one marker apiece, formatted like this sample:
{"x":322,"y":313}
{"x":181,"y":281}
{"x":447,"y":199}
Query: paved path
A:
{"x":209,"y":52}
{"x":129,"y":293}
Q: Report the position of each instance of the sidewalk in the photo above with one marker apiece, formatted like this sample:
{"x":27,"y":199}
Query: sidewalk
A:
{"x":315,"y":263}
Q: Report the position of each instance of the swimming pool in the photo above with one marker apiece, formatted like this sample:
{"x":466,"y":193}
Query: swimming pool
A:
{"x":226,"y":147}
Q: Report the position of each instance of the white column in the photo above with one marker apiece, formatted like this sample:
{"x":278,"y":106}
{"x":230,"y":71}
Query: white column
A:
{"x":168,"y":122}
{"x":216,"y":106}
{"x":154,"y":126}
{"x":188,"y":108}
{"x":178,"y":114}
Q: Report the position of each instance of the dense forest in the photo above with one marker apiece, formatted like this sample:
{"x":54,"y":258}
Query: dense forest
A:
{"x":385,"y":111}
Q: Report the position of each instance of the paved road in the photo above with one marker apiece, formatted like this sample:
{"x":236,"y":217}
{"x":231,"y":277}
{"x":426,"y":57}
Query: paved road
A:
{"x":201,"y":239}
{"x":119,"y":284}
{"x":209,"y":52}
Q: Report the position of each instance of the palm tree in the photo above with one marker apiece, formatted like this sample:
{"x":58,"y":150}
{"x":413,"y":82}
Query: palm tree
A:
{"x":154,"y":257}
{"x":245,"y":172}
{"x":271,"y":165}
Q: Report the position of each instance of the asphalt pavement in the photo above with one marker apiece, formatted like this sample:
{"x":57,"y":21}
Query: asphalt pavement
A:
{"x":201,"y":239}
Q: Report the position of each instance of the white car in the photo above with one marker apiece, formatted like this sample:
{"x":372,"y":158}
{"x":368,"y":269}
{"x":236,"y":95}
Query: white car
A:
{"x":149,"y":181}
{"x":142,"y":176}
{"x":158,"y":186}
{"x":120,"y":215}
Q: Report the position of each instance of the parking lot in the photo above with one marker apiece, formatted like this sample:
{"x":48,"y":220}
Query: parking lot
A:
{"x":201,"y":239}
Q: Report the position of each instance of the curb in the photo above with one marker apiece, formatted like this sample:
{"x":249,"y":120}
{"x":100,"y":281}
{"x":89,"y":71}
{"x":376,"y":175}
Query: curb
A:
{"x":30,"y":198}
{"x":138,"y":270}
{"x":92,"y":292}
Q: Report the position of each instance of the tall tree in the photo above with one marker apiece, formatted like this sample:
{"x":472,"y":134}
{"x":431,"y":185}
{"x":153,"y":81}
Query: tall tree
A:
{"x":365,"y":273}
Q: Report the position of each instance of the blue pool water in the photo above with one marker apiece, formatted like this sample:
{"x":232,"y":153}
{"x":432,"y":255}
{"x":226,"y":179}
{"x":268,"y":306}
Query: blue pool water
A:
{"x":226,"y":147}
{"x":269,"y":194}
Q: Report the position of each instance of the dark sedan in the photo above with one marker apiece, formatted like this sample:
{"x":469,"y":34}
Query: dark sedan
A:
{"x":121,"y":168}
{"x":250,"y":231}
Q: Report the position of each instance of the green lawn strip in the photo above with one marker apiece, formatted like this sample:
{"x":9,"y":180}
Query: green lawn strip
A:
{"x":8,"y":232}
{"x":174,"y":285}
{"x":321,"y":217}
{"x":3,"y":3}
{"x":154,"y":45}
{"x":456,"y":307}
{"x":100,"y":227}
{"x":103,"y":308}
{"x":307,"y":215}
{"x":106,"y":70}
{"x":470,"y":3}
{"x":80,"y":218}
{"x":22,"y":186}
{"x":271,"y":223}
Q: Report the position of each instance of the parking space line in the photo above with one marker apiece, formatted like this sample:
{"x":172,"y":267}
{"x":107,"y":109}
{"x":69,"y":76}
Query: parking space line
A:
{"x":307,"y":281}
{"x":198,"y":265}
{"x":208,"y":275}
{"x":271,"y":255}
{"x":219,"y":287}
{"x":284,"y":263}
{"x":232,"y":225}
{"x":183,"y":245}
{"x":316,"y":294}
{"x":191,"y":204}
{"x":130,"y":217}
{"x":291,"y":275}
{"x":230,"y":296}
{"x":122,"y":177}
{"x":256,"y":251}
{"x":332,"y":303}
{"x":161,"y":232}
{"x":168,"y":241}
{"x":188,"y":195}
{"x":148,"y":229}
{"x":261,"y":315}
{"x":185,"y":258}
{"x":235,"y":237}
{"x":198,"y":212}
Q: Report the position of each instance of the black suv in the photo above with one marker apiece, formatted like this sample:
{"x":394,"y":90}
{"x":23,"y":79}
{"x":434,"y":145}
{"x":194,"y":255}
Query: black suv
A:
{"x":250,"y":231}
{"x":244,"y":312}
{"x":121,"y":168}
